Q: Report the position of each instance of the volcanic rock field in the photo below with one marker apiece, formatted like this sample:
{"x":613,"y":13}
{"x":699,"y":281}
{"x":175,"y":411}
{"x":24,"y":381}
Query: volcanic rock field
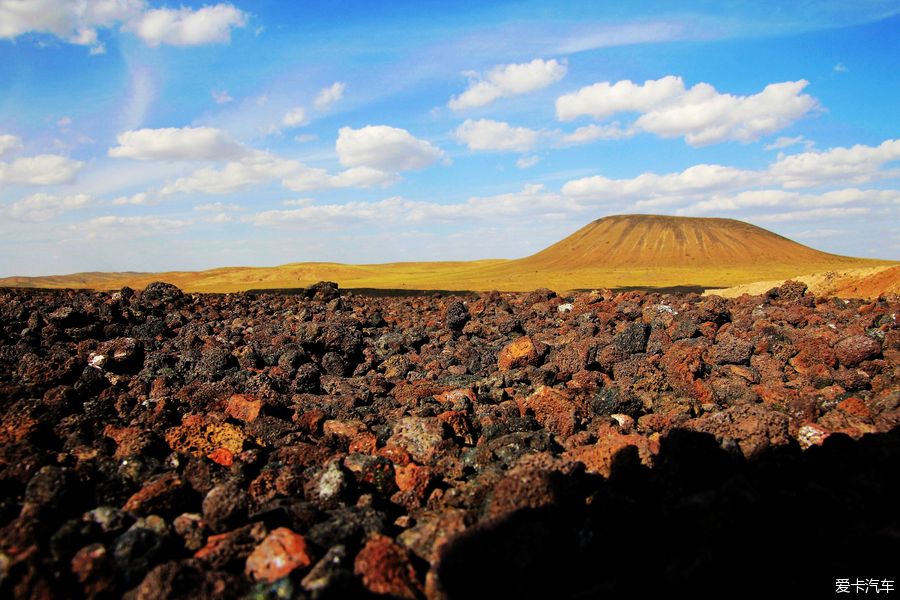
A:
{"x":157,"y":444}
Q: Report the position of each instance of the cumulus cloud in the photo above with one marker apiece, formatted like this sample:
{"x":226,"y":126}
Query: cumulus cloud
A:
{"x":485,"y":134}
{"x":329,"y":96}
{"x":532,"y":200}
{"x":217,"y":207}
{"x":295,"y":117}
{"x":604,"y":99}
{"x":787,"y":142}
{"x":137,"y":199}
{"x":263,"y":167}
{"x":592,"y":133}
{"x":9,"y":143}
{"x":116,"y":227}
{"x":384,"y":148}
{"x":526,"y":162}
{"x":508,"y":80}
{"x":187,"y":27}
{"x":44,"y":169}
{"x":74,"y":22}
{"x":700,"y":114}
{"x":856,"y":164}
{"x":43,"y":207}
{"x":783,"y":199}
{"x":813,"y":214}
{"x":79,"y":21}
{"x":171,"y":143}
{"x":693,"y":180}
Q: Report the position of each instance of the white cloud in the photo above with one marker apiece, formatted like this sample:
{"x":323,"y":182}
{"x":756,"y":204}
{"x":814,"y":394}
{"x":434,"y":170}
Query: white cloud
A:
{"x":787,"y":199}
{"x":43,"y":207}
{"x":814,"y":234}
{"x":533,"y":200}
{"x":263,"y":167}
{"x":305,"y":137}
{"x":700,"y":114}
{"x":259,"y":167}
{"x":187,"y":143}
{"x":44,"y":169}
{"x":604,"y":99}
{"x":295,"y":117}
{"x":786,"y":142}
{"x":329,"y":95}
{"x":139,"y":198}
{"x":79,"y":21}
{"x":74,"y":22}
{"x":813,"y":214}
{"x":384,"y":148}
{"x":116,"y":227}
{"x":592,"y":133}
{"x":526,"y":162}
{"x":221,"y":96}
{"x":64,"y":122}
{"x":9,"y":143}
{"x":217,"y":207}
{"x":508,"y":80}
{"x":697,"y":179}
{"x":187,"y":27}
{"x":485,"y":134}
{"x":856,"y":164}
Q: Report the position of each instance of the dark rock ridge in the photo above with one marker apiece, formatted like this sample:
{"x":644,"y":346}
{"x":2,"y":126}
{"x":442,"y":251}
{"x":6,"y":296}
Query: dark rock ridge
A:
{"x":156,"y":444}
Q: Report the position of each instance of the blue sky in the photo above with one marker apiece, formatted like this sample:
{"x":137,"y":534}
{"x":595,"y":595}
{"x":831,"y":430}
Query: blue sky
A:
{"x":137,"y":135}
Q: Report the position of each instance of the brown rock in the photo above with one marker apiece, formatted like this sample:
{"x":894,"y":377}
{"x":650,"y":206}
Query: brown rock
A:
{"x":227,"y":549}
{"x":200,"y":436}
{"x":422,"y":437}
{"x":413,"y":478}
{"x":432,"y":531}
{"x":753,"y":427}
{"x":553,"y":409}
{"x":280,"y":553}
{"x":853,"y":350}
{"x":385,"y":568}
{"x":160,"y":494}
{"x":598,"y":458}
{"x":521,"y":352}
{"x":243,"y":407}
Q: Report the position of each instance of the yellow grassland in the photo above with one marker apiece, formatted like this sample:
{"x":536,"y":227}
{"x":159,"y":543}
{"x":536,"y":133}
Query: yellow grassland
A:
{"x":621,"y":251}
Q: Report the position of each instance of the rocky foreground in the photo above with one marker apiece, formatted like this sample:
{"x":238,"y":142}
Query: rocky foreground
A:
{"x":162,"y":445}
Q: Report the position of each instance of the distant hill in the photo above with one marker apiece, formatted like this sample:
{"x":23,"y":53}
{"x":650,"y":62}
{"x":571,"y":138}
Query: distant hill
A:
{"x":656,"y":241}
{"x":646,"y":251}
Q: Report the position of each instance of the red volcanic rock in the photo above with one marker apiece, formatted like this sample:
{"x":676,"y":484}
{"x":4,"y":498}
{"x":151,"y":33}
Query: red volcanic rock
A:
{"x":385,"y":569}
{"x":598,"y":457}
{"x":752,"y":427}
{"x":553,"y":409}
{"x":160,"y":494}
{"x":521,"y":352}
{"x":280,"y":553}
{"x":414,"y":479}
{"x":682,"y":365}
{"x":243,"y":407}
{"x":855,"y":349}
{"x":422,"y":437}
{"x":490,"y":445}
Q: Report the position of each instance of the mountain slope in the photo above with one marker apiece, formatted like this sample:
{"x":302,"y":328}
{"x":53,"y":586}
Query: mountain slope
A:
{"x":651,"y":241}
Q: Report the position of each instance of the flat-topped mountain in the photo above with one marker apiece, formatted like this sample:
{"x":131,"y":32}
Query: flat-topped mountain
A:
{"x":647,"y":251}
{"x":659,"y":241}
